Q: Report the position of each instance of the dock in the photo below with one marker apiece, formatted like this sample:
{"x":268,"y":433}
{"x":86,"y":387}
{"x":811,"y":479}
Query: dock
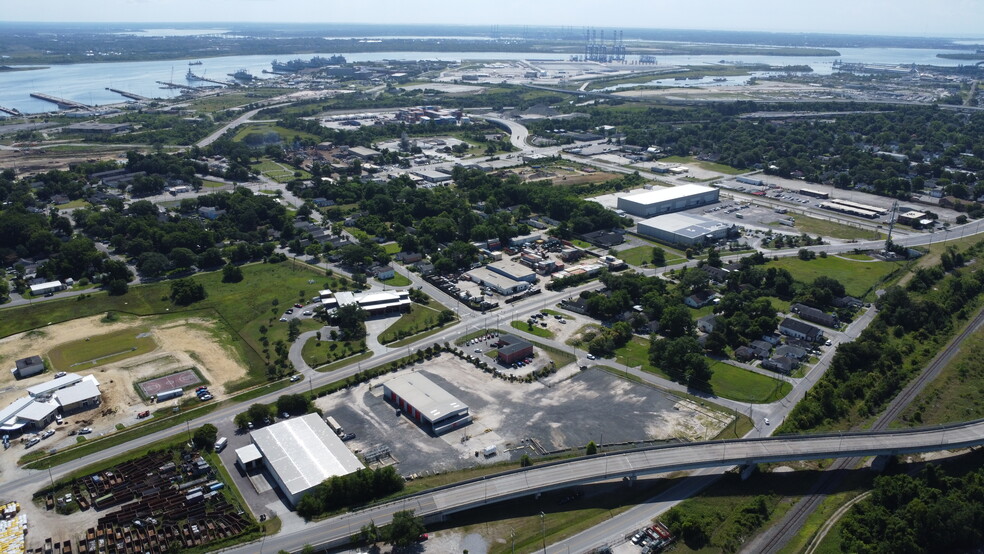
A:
{"x":129,"y":95}
{"x":9,"y":111}
{"x":60,"y":102}
{"x":176,"y":85}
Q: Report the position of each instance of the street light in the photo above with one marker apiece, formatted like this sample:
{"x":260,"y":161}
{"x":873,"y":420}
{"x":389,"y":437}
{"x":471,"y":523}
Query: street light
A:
{"x":543,"y":533}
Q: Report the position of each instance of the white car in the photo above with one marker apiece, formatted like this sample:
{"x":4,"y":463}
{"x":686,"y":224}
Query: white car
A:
{"x":766,"y":421}
{"x":295,"y":378}
{"x":85,"y":431}
{"x":591,"y":356}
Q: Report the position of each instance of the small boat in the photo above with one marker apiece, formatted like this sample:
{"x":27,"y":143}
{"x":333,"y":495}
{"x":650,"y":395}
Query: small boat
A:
{"x":720,"y":79}
{"x":195,"y":63}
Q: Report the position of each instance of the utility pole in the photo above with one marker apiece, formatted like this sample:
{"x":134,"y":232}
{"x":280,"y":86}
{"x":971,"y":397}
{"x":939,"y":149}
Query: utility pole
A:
{"x":543,"y":533}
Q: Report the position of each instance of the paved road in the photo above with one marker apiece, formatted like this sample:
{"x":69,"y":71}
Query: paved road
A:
{"x":629,"y":465}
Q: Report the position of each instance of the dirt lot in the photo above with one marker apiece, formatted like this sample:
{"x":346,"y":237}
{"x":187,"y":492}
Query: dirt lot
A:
{"x":181,"y":344}
{"x":563,"y":413}
{"x":30,"y":161}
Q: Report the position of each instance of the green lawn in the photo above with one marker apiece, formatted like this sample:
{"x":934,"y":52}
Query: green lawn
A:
{"x":742,"y":385}
{"x":672,"y":254}
{"x":280,"y":172}
{"x":320,"y":352}
{"x":287,"y":135}
{"x":391,"y":248}
{"x":397,"y":280}
{"x":636,"y":353}
{"x":533,"y":330}
{"x":241,"y":308}
{"x":101,"y":349}
{"x":637,"y":256}
{"x":822,"y":227}
{"x":858,"y":277}
{"x":213,"y":184}
{"x":417,"y":320}
{"x":74,"y":204}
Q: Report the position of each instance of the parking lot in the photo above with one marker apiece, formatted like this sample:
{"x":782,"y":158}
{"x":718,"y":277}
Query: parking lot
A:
{"x":517,"y":418}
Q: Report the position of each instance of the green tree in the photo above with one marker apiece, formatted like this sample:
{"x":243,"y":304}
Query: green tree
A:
{"x":231,"y":274}
{"x":351,"y":320}
{"x":659,"y":256}
{"x":369,"y":533}
{"x":525,"y":461}
{"x":116,"y":287}
{"x":204,"y":437}
{"x":405,"y":528}
{"x":187,"y":291}
{"x":591,"y":449}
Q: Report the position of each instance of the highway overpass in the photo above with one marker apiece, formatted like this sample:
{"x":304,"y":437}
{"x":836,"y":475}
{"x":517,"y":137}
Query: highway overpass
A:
{"x":628,"y":465}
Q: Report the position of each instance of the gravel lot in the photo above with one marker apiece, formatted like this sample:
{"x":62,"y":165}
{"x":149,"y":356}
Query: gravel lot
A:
{"x":563,"y":414}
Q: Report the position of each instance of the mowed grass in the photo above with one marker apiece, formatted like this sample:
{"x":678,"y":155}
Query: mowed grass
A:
{"x":240,"y":307}
{"x":417,"y":320}
{"x":533,"y":330}
{"x":397,"y":280}
{"x":742,"y":385}
{"x":643,"y":255}
{"x":822,"y":227}
{"x":320,"y":352}
{"x":709,"y":166}
{"x":287,"y":135}
{"x":858,"y":277}
{"x":101,"y":349}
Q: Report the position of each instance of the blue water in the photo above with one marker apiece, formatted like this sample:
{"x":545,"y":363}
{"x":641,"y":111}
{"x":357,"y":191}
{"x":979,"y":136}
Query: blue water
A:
{"x":87,"y":82}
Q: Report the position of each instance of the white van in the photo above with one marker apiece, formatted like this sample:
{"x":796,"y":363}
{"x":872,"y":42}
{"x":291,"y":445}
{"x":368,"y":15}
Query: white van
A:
{"x":221,"y":444}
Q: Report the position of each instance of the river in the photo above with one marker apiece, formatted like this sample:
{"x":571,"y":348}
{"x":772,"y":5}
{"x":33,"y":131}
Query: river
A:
{"x":87,"y":82}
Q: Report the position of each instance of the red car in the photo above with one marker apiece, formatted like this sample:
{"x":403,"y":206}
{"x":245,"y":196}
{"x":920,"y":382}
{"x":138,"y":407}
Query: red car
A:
{"x":143,"y":414}
{"x":298,"y":305}
{"x":201,"y":389}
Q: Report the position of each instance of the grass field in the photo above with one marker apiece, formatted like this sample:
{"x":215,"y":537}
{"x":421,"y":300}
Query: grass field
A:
{"x":739,"y":384}
{"x":417,"y":320}
{"x":320,"y":352}
{"x":640,"y":255}
{"x":858,"y":277}
{"x":391,"y":248}
{"x":277,"y":171}
{"x":397,"y":280}
{"x":709,"y":166}
{"x":287,"y":135}
{"x":814,"y":226}
{"x":241,"y":308}
{"x":101,"y":349}
{"x":673,"y":255}
{"x":534,"y":330}
{"x":225,"y":101}
{"x":213,"y":184}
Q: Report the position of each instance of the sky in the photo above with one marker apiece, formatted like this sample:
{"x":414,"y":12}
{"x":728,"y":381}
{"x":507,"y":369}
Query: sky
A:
{"x":945,"y":18}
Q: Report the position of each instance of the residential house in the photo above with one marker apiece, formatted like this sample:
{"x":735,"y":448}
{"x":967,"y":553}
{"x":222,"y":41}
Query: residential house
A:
{"x":604,"y":239}
{"x":716,"y":274}
{"x":780,"y":364}
{"x":794,"y":352}
{"x":800,"y":330}
{"x":26,"y":367}
{"x":846,"y":302}
{"x":745,"y":354}
{"x":383,"y":272}
{"x":707,"y":323}
{"x":761,"y":348}
{"x":772,"y":338}
{"x":814,"y":315}
{"x":699,"y":299}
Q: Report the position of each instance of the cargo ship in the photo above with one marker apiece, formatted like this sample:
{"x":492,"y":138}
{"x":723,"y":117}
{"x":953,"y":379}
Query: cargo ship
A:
{"x":192,"y":77}
{"x":242,"y":75}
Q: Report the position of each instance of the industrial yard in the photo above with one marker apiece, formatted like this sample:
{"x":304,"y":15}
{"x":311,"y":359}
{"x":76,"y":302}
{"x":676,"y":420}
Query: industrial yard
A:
{"x":562,"y":412}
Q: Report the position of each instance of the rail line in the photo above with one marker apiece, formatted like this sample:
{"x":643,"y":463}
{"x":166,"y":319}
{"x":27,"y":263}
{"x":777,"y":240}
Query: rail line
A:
{"x":829,"y":480}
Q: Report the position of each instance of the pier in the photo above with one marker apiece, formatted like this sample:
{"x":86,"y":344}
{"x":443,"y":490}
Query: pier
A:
{"x":129,"y":95}
{"x":60,"y":102}
{"x":176,"y":85}
{"x":9,"y":111}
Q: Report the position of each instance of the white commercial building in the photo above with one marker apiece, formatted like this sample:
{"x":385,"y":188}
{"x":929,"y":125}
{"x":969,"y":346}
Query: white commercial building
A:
{"x":684,"y":229}
{"x":665,"y":200}
{"x":513,"y":270}
{"x":497,"y":281}
{"x":45,"y":288}
{"x":301,"y":453}
{"x":426,"y":403}
{"x":373,"y":302}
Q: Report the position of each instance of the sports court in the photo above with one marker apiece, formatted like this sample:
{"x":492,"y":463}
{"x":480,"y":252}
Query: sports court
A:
{"x":179,"y":380}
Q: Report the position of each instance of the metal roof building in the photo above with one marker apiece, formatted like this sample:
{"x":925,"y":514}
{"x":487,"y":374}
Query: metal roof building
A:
{"x":666,"y":200}
{"x":684,"y":229}
{"x":301,"y":453}
{"x":62,"y":382}
{"x":426,"y":403}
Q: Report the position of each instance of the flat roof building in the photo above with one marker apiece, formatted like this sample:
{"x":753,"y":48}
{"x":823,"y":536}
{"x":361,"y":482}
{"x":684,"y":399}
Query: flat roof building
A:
{"x":43,"y":389}
{"x":666,"y":200}
{"x":496,"y":281}
{"x":301,"y":453}
{"x":373,"y":302}
{"x":684,"y":229}
{"x":423,"y":401}
{"x":26,"y":367}
{"x":512,"y":349}
{"x":45,"y":288}
{"x":514,"y":270}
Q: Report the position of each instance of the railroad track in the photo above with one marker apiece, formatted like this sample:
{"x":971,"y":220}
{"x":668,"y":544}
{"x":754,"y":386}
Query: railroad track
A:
{"x":831,"y":478}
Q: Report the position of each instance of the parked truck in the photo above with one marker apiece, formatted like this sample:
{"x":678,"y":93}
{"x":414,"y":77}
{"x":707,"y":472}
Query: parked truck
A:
{"x":169,"y":394}
{"x":335,"y":427}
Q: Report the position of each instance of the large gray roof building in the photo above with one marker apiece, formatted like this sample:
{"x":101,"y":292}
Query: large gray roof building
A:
{"x":303,"y":452}
{"x":684,"y":229}
{"x":426,"y":403}
{"x":664,"y":200}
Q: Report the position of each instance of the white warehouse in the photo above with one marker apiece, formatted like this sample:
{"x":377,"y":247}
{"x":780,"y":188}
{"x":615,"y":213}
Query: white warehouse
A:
{"x":684,"y":229}
{"x":666,"y":200}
